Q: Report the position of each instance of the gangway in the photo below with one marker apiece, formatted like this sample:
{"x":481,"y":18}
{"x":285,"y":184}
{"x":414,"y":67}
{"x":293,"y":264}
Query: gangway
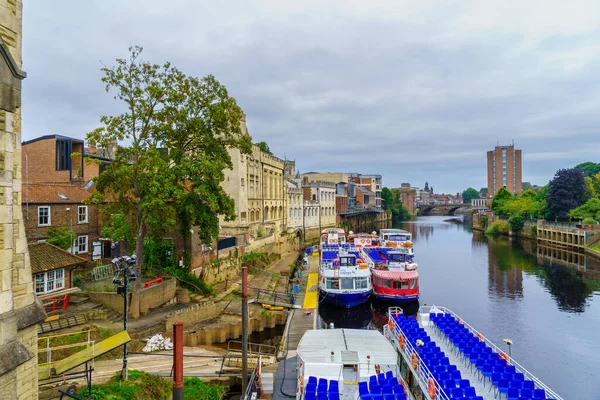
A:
{"x":60,"y":367}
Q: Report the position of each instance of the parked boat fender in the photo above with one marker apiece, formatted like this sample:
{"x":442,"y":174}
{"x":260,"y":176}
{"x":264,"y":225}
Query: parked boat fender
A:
{"x":504,"y":356}
{"x":431,"y":388}
{"x":415,"y":362}
{"x":377,"y":369}
{"x":459,"y":320}
{"x":401,"y":341}
{"x":480,"y":336}
{"x":301,"y":384}
{"x":403,"y":383}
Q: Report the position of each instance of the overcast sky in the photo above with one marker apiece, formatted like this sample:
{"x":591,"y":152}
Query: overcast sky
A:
{"x":413,"y":90}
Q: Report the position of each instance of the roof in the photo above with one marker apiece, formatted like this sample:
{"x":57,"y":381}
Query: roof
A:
{"x":45,"y":256}
{"x":362,"y":189}
{"x":54,"y":193}
{"x":395,"y":275}
{"x":59,"y":137}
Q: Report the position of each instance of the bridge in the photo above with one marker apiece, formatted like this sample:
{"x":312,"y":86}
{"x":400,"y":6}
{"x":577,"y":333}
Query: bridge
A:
{"x":442,"y":209}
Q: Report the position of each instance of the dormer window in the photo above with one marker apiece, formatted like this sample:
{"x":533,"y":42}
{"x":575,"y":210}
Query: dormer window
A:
{"x":63,"y":155}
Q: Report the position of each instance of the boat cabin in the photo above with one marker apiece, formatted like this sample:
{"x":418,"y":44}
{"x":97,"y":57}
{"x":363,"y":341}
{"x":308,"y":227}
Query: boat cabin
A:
{"x":394,"y":235}
{"x":333,"y":236}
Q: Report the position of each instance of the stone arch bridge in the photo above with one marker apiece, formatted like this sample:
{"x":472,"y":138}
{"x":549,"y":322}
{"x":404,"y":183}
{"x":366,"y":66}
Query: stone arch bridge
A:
{"x":443,"y":209}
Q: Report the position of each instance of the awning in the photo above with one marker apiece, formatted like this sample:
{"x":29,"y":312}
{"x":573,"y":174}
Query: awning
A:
{"x":397,"y":276}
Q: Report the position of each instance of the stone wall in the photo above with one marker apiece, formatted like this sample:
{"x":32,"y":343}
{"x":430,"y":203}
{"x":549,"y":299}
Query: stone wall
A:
{"x":194,"y":314}
{"x":151,"y":297}
{"x":19,"y":308}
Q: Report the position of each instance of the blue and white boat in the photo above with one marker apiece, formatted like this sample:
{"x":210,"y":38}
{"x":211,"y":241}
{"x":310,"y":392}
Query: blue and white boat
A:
{"x":344,"y":280}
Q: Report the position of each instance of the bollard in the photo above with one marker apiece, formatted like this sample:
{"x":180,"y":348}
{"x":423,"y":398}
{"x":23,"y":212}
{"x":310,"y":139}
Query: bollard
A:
{"x":178,"y":360}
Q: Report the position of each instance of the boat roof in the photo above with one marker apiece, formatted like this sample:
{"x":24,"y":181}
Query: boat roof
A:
{"x":349,"y":346}
{"x":393,"y":231}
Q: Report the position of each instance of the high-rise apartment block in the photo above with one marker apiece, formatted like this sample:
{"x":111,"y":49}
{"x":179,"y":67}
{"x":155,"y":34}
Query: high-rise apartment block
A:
{"x":504,"y":170}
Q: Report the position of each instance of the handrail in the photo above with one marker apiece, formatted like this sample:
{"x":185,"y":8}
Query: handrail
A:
{"x":511,"y":361}
{"x":422,"y":373}
{"x":263,"y":349}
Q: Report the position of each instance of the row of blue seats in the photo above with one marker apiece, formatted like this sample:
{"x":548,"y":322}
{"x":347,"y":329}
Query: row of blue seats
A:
{"x":446,"y":374}
{"x":321,"y":390}
{"x":385,"y":385}
{"x":504,"y":378}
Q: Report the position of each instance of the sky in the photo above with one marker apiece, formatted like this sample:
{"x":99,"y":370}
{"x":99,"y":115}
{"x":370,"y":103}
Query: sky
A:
{"x":413,"y":90}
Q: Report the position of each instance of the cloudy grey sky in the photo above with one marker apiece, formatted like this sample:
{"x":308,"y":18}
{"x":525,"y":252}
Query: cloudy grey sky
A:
{"x":413,"y":90}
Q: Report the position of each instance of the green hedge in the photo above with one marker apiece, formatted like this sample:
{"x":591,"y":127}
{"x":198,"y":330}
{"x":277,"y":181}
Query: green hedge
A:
{"x":499,"y":227}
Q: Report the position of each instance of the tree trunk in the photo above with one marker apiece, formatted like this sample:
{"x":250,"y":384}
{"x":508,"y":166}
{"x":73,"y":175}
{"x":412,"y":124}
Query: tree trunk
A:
{"x":134,"y":307}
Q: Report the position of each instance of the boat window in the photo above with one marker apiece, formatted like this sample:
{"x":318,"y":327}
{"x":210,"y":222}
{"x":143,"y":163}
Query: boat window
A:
{"x":400,"y":284}
{"x":346,"y":261}
{"x":398,"y":238}
{"x":333,"y":283}
{"x":361,"y":283}
{"x":413,"y":283}
{"x":397,"y":257}
{"x":347,"y":283}
{"x":387,"y":283}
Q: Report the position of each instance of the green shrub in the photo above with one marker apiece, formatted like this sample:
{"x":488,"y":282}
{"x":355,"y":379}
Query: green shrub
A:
{"x":498,"y":227}
{"x":77,"y":280}
{"x":483,"y":221}
{"x":190,"y":281}
{"x":194,"y":388}
{"x":139,"y":386}
{"x":516,"y":222}
{"x":589,"y":221}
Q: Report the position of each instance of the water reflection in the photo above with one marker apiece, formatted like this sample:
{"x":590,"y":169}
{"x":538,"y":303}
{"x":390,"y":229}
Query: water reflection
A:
{"x":372,"y":314}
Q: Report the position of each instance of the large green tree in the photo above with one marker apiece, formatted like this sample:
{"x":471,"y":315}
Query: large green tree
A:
{"x":591,"y":209}
{"x":386,"y":198}
{"x":176,"y":131}
{"x":469,"y":194}
{"x":499,"y":201}
{"x":589,"y":168}
{"x":61,"y":237}
{"x":264,"y":146}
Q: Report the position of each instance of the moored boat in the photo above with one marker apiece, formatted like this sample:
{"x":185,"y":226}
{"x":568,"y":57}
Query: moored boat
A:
{"x":335,"y":364}
{"x":344,"y":280}
{"x":395,"y":238}
{"x":332,"y":236}
{"x":394,"y":274}
{"x":361,"y":240}
{"x":443,"y":357}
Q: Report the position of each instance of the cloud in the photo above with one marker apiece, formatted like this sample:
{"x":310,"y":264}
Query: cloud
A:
{"x":412,"y":91}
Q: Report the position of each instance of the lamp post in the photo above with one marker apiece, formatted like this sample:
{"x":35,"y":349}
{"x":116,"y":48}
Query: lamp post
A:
{"x":509,"y":343}
{"x":122,"y":287}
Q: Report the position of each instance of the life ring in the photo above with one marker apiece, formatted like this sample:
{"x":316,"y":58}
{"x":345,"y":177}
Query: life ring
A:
{"x":380,"y":265}
{"x":391,"y":244}
{"x":391,"y":323}
{"x":363,"y":241}
{"x":377,"y":369}
{"x":401,"y":341}
{"x":459,"y":320}
{"x":431,"y":388}
{"x":333,"y":241}
{"x":504,"y":356}
{"x":301,"y":383}
{"x":415,"y":362}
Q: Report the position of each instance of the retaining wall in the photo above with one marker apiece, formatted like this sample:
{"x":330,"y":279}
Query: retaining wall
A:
{"x":194,"y":314}
{"x":150,"y":297}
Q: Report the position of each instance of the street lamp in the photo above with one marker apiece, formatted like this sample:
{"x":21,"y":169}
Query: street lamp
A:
{"x":509,"y":343}
{"x":122,"y":287}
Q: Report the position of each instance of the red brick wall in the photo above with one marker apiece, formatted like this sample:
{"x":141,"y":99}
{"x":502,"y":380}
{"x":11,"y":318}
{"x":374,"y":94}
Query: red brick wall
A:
{"x":341,"y":204}
{"x":60,"y":217}
{"x":42,"y":162}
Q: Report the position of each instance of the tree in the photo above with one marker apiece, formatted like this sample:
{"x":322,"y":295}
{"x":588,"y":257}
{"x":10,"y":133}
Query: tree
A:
{"x":499,"y":201}
{"x":589,"y":168}
{"x":264,"y":147}
{"x":117,"y":227}
{"x":178,"y":130}
{"x":61,"y":237}
{"x":469,"y":194}
{"x":386,"y":198}
{"x":567,"y":191}
{"x":516,"y":222}
{"x":591,"y":209}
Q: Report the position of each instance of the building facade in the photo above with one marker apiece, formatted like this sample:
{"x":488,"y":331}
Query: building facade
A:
{"x":257,"y":185}
{"x":20,"y":310}
{"x":371,"y":182}
{"x":504,"y":170}
{"x":55,"y":185}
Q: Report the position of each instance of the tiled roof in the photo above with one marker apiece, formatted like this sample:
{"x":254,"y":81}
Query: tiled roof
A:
{"x":53,"y":192}
{"x":45,"y":256}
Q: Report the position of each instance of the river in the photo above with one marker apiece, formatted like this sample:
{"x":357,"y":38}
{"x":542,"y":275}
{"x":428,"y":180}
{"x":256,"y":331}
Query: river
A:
{"x":508,"y":288}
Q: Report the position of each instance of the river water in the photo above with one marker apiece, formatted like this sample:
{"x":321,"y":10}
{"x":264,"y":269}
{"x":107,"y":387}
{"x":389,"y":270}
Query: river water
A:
{"x":546,"y":301}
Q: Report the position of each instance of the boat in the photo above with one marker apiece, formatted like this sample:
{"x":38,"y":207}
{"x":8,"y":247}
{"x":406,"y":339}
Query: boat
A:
{"x":344,"y":280}
{"x":394,"y":273}
{"x":335,"y":364}
{"x":395,"y":238}
{"x":332,"y":236}
{"x":361,"y":240}
{"x":443,"y":357}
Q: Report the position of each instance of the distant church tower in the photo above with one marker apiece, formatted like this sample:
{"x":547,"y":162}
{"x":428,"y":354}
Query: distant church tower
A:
{"x":427,"y":187}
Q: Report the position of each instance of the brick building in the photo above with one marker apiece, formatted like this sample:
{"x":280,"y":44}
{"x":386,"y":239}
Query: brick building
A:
{"x":55,"y":185}
{"x":52,"y":267}
{"x":504,"y":170}
{"x":20,"y":310}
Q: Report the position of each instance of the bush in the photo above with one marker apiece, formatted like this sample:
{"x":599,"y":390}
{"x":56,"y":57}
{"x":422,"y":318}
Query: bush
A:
{"x":516,"y":222}
{"x":499,"y":227}
{"x":77,"y":280}
{"x":483,"y":221}
{"x":139,"y":386}
{"x":194,"y":388}
{"x":190,"y":281}
{"x":589,"y":221}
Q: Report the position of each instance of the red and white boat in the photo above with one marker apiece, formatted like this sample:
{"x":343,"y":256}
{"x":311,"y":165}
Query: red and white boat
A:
{"x":394,"y":274}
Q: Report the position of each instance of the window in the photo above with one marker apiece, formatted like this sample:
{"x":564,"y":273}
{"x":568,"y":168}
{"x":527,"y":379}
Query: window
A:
{"x":82,"y":214}
{"x":361,"y":283}
{"x":347,"y":283}
{"x":333,"y":283}
{"x":50,"y":281}
{"x":44,"y":216}
{"x":63,"y":157}
{"x":82,"y":244}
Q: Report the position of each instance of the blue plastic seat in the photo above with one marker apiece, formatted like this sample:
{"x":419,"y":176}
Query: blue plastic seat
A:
{"x":400,"y":396}
{"x":363,"y":388}
{"x":518,"y":377}
{"x":312,"y":379}
{"x":334,"y":396}
{"x":456,"y":393}
{"x":380,"y":378}
{"x":387,"y":389}
{"x":539,"y":394}
{"x":311,"y":395}
{"x":375,"y":389}
{"x":526,"y":393}
{"x":513,"y":393}
{"x":469,"y":391}
{"x":503,"y":386}
{"x":389,"y":374}
{"x":528,"y":385}
{"x":334,"y":386}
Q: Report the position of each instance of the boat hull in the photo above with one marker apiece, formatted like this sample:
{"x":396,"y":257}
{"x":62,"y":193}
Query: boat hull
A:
{"x":396,"y":299}
{"x":346,"y":300}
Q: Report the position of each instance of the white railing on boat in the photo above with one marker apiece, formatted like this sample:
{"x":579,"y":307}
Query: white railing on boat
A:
{"x":528,"y":375}
{"x":422,"y":373}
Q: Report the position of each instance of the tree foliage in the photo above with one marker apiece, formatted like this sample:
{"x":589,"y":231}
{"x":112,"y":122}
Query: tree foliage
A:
{"x":516,"y":222}
{"x":178,"y":129}
{"x":392,"y":202}
{"x":499,"y":201}
{"x":469,"y":194}
{"x":591,"y":209}
{"x":567,"y":191}
{"x":386,"y":198}
{"x":264,"y":147}
{"x":61,"y":237}
{"x":589,"y":168}
{"x":117,"y":227}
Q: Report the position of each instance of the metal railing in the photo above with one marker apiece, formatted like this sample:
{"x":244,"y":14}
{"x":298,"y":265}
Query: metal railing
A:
{"x":254,"y":383}
{"x":528,"y":375}
{"x":49,"y":349}
{"x":421,"y":373}
{"x":254,"y":349}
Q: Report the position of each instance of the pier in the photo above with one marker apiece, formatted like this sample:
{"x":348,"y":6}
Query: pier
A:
{"x":562,"y":235}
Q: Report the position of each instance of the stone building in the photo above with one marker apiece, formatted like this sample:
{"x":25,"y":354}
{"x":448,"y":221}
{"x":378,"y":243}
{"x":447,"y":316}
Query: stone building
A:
{"x":20,"y":311}
{"x":256,"y":184}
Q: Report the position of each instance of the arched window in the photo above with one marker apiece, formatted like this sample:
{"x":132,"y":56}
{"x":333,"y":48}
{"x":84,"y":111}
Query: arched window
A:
{"x":266,"y":212}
